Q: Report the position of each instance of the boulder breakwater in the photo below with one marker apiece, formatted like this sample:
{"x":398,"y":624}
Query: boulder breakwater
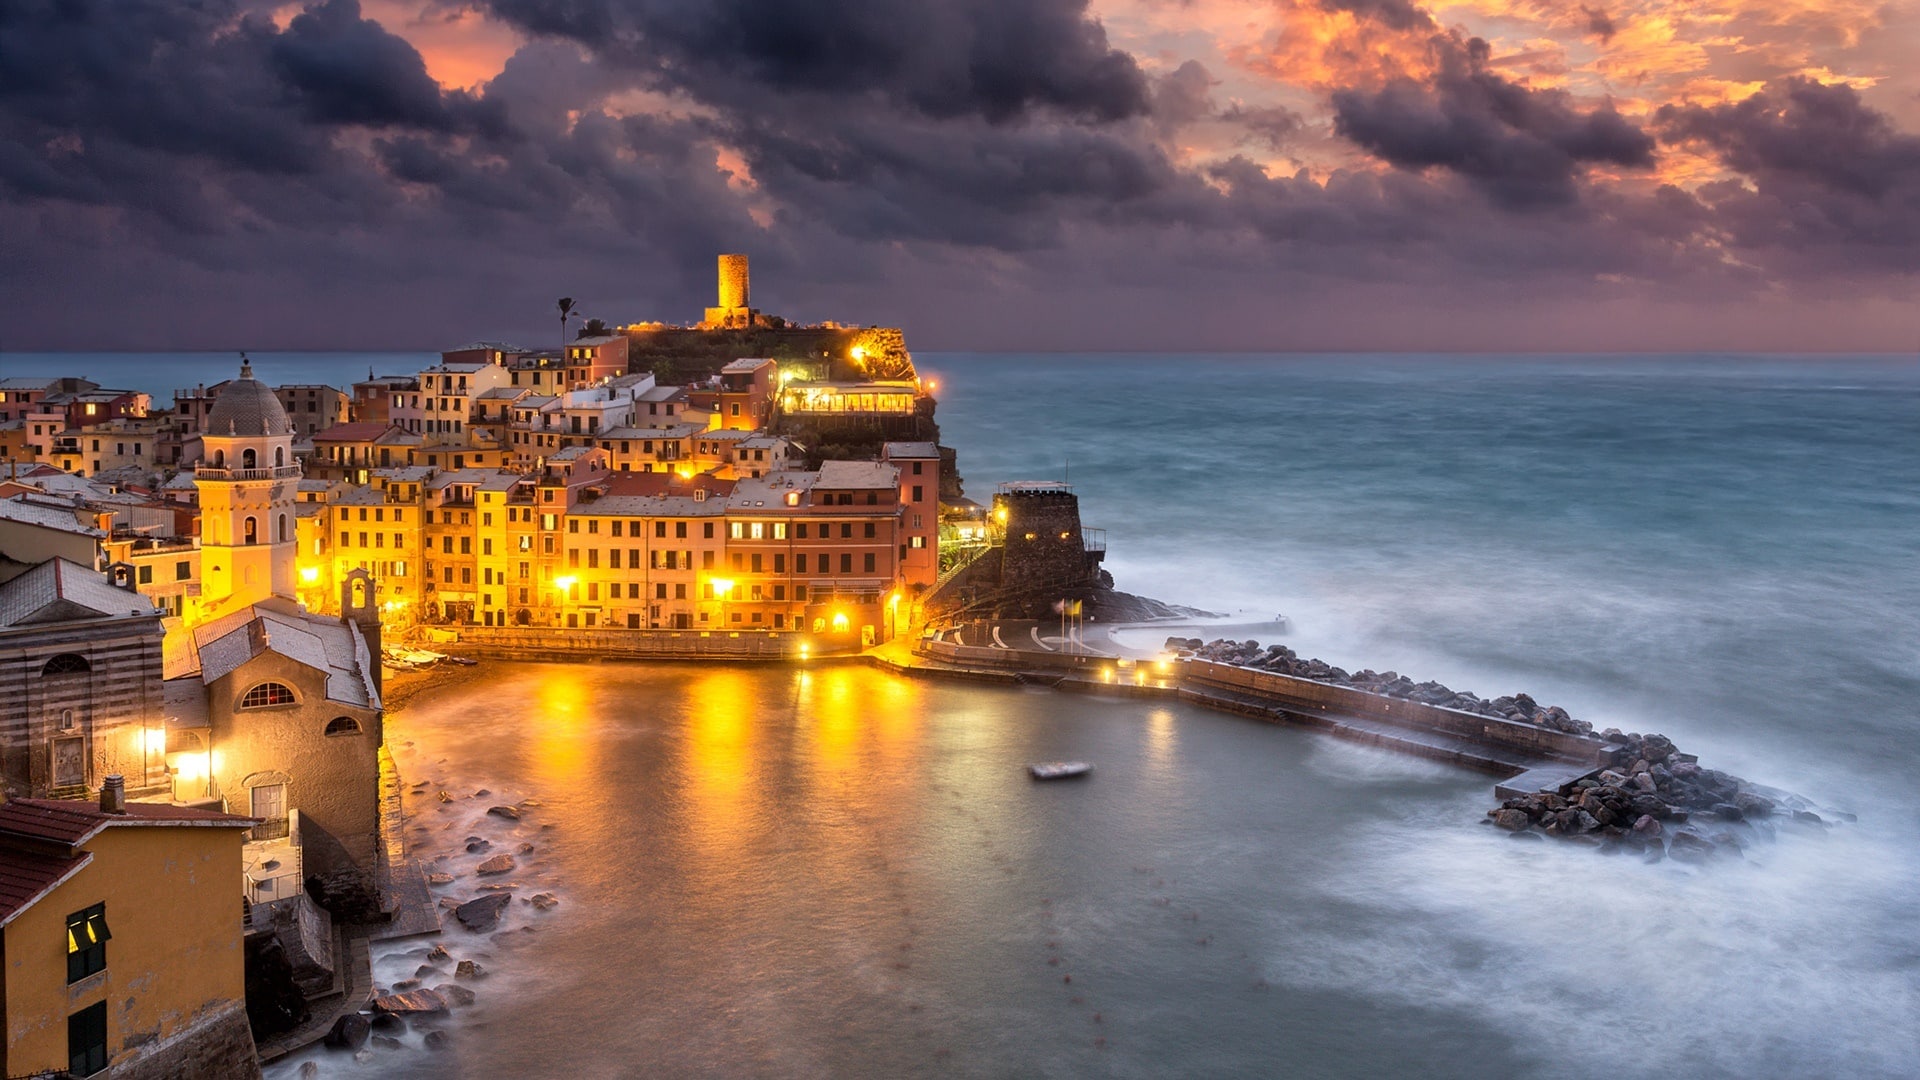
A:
{"x":1646,"y":797}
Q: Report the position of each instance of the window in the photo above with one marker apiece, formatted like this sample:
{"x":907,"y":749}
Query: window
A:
{"x":343,"y":725}
{"x":779,"y":530}
{"x":65,"y":663}
{"x":867,"y":561}
{"x":869,"y":530}
{"x":846,"y":563}
{"x":736,"y":530}
{"x":182,"y":571}
{"x":146,"y":575}
{"x":87,"y":1037}
{"x":267,"y":695}
{"x":87,"y":937}
{"x":918,"y":541}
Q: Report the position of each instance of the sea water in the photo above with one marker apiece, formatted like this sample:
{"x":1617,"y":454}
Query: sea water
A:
{"x":834,"y":872}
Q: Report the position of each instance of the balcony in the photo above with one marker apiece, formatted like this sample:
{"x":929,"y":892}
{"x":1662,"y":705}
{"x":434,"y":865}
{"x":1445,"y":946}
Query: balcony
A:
{"x":216,"y":472}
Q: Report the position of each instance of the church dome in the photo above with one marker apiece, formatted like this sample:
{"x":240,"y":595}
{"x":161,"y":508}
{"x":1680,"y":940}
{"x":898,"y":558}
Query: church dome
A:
{"x":247,"y":408}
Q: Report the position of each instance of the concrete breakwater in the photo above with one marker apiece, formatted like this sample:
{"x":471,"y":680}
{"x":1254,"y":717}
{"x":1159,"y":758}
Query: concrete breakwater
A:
{"x":1645,"y":795}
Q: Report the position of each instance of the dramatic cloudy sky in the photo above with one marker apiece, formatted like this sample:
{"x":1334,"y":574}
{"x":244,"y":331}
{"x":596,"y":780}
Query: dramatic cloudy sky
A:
{"x":1264,"y":174}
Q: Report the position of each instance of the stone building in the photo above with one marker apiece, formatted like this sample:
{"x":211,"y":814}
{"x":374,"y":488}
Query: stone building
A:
{"x":286,"y":728}
{"x":1047,"y":552}
{"x":80,"y":697}
{"x":272,"y":710}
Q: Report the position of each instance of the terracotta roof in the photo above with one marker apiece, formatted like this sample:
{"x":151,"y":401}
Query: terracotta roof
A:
{"x":27,"y":875}
{"x":358,"y":431}
{"x":71,"y":822}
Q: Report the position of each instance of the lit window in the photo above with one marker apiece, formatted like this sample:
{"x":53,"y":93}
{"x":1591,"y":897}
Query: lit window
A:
{"x":267,"y":695}
{"x":87,"y":937}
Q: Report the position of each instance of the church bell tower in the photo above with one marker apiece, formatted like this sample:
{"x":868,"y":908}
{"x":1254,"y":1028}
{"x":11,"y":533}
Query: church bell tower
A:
{"x":247,"y":480}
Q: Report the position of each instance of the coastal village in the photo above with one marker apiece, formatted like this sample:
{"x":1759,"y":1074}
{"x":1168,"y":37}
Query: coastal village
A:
{"x":201,"y":601}
{"x":201,"y":605}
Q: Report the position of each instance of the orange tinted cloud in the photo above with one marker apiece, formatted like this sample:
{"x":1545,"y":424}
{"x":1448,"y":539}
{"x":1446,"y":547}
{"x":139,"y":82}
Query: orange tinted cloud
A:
{"x":461,"y":47}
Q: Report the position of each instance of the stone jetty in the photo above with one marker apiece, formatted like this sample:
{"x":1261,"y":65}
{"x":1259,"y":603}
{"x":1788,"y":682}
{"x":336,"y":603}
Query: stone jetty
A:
{"x":1648,"y":798}
{"x":1279,"y":658}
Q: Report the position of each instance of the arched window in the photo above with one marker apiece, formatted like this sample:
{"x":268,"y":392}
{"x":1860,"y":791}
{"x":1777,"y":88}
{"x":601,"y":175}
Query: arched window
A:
{"x":283,"y":529}
{"x":267,"y":695}
{"x":279,"y":456}
{"x":247,"y":458}
{"x":253,"y":528}
{"x":219,"y":459}
{"x":343,"y":725}
{"x":65,"y":663}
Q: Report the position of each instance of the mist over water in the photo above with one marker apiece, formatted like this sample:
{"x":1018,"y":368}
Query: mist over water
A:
{"x":1718,"y":548}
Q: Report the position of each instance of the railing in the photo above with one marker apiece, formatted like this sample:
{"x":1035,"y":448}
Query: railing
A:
{"x":218,"y":472}
{"x":1095,"y":539}
{"x":768,"y":644}
{"x":274,"y":829}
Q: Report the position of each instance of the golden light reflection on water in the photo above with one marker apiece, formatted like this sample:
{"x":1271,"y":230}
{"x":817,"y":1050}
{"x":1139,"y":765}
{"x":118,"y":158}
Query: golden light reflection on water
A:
{"x":720,"y":793}
{"x":1162,"y":741}
{"x":565,"y":748}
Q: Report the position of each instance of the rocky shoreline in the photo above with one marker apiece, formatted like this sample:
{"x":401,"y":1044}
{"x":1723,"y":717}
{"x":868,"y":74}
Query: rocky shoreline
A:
{"x":1653,"y":800}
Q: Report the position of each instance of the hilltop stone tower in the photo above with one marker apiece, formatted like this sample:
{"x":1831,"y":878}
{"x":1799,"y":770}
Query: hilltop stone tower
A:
{"x":247,"y":480}
{"x":734,"y":296}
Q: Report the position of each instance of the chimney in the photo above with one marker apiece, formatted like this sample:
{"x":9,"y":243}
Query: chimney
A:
{"x":113,"y":795}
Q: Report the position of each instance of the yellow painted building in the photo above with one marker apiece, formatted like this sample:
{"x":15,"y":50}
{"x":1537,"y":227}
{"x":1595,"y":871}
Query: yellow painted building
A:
{"x":122,"y":952}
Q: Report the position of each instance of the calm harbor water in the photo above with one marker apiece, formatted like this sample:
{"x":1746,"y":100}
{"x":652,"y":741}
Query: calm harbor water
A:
{"x":839,"y":873}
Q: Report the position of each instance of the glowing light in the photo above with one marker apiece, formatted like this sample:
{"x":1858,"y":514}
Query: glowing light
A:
{"x":722,"y":586}
{"x":309,"y":574}
{"x":156,"y":741}
{"x":803,"y":650}
{"x":840,"y":622}
{"x":1000,"y":515}
{"x":565,"y":583}
{"x":859,"y":353}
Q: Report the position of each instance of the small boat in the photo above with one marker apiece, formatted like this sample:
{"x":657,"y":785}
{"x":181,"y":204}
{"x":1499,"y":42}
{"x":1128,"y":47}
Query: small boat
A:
{"x":462,"y":661}
{"x":1059,"y":770}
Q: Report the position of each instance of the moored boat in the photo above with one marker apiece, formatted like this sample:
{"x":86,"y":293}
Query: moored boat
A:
{"x":1059,"y":770}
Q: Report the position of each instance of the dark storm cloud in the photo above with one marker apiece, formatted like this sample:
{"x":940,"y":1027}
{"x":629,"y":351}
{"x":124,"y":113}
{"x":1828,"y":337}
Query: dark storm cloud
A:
{"x":316,"y":181}
{"x":1802,"y":131}
{"x":1523,"y":147}
{"x":1830,"y":177}
{"x":997,"y":59}
{"x":348,"y":70}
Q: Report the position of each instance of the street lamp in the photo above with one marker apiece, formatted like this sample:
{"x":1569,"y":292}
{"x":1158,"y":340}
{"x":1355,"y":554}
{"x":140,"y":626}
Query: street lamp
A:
{"x":722,"y":587}
{"x":565,"y":584}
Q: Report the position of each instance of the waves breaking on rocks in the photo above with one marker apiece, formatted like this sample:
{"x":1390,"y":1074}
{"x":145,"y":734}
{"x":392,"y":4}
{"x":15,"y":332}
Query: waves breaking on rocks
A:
{"x":1653,"y":799}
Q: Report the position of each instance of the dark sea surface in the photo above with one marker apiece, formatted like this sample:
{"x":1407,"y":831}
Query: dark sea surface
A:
{"x":833,"y":872}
